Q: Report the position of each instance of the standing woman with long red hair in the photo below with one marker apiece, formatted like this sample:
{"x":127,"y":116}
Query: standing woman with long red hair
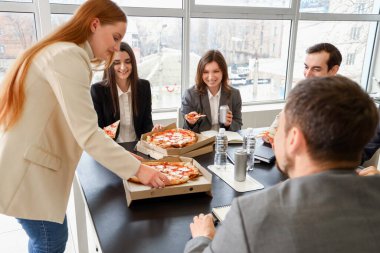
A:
{"x":47,"y":119}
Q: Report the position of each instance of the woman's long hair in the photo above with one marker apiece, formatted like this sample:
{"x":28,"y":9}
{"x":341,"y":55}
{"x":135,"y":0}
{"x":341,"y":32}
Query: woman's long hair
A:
{"x":109,"y":80}
{"x":208,"y":57}
{"x":76,"y":30}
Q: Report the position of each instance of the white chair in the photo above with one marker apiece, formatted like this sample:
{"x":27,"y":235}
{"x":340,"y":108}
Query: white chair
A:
{"x":374,"y":161}
{"x":180,"y":119}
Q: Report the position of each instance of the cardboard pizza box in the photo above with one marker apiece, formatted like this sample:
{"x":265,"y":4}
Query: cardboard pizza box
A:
{"x":202,"y":183}
{"x":157,"y":155}
{"x":202,"y":141}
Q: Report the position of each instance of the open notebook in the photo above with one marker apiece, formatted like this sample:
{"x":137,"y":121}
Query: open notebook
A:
{"x":220,"y":212}
{"x":233,"y":137}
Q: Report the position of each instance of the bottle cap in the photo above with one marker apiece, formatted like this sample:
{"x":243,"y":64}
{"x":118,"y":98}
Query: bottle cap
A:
{"x":222,"y":130}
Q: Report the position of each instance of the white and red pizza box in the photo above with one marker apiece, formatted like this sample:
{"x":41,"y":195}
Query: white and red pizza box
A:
{"x":201,"y":142}
{"x":202,"y":183}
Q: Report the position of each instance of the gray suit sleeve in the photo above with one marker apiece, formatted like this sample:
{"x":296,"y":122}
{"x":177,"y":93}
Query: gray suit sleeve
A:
{"x":237,"y":121}
{"x":230,"y":236}
{"x":188,"y":106}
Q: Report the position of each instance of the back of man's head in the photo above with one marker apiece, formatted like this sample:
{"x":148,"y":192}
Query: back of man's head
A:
{"x":335,"y":57}
{"x":336,"y":117}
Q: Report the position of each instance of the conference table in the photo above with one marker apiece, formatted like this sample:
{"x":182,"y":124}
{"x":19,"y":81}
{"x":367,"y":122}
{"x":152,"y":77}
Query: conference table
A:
{"x":149,"y":225}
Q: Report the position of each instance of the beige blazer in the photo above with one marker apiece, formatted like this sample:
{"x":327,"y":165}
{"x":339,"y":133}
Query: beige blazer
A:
{"x":39,"y":155}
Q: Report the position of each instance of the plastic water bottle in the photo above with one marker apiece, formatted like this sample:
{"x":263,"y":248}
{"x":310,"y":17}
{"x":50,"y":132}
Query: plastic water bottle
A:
{"x":249,"y":131}
{"x":250,"y":145}
{"x":221,"y":144}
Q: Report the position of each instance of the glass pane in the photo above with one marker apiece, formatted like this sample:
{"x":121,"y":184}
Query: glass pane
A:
{"x":374,"y":82}
{"x":66,"y":1}
{"x":17,"y":33}
{"x":349,"y":37}
{"x":340,"y":6}
{"x":133,"y":3}
{"x":157,"y":43}
{"x":255,"y":50}
{"x":20,"y":1}
{"x":150,"y":3}
{"x":250,"y":3}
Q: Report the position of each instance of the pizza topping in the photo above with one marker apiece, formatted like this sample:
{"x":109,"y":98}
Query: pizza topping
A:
{"x":172,"y":138}
{"x":112,"y":129}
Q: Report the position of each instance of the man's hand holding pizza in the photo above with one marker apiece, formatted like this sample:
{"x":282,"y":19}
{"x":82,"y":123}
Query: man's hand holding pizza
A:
{"x":149,"y":176}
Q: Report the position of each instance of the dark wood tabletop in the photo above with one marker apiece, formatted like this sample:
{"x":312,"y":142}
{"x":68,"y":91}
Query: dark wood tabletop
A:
{"x":152,"y":225}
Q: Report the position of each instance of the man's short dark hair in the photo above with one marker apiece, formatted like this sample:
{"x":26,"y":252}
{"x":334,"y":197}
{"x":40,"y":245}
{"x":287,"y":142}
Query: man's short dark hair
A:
{"x":336,"y":117}
{"x":335,"y":57}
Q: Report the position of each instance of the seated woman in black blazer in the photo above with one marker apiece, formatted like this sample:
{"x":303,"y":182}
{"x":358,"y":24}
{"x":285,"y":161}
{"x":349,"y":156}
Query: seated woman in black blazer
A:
{"x":122,"y":95}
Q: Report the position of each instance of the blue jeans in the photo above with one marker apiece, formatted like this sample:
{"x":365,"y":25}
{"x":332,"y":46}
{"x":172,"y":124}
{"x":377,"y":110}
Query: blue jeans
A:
{"x":45,"y":236}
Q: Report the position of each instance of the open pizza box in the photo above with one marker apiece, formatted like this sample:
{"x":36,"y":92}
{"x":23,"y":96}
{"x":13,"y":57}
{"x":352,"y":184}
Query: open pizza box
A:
{"x":157,"y":155}
{"x":201,"y":142}
{"x":202,"y":183}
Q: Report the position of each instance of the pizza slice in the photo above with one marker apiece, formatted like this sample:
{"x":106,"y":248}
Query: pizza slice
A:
{"x":176,"y":172}
{"x":111,"y":129}
{"x":194,"y":115}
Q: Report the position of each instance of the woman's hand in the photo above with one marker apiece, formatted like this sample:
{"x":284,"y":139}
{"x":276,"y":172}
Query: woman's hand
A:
{"x":157,"y":128}
{"x":191,"y":117}
{"x":203,"y":225}
{"x":228,"y":119}
{"x":149,"y":176}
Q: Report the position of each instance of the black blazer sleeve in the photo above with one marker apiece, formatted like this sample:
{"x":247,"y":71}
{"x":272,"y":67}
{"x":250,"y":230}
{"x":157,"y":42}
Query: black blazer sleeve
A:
{"x":101,"y":97}
{"x":143,"y":121}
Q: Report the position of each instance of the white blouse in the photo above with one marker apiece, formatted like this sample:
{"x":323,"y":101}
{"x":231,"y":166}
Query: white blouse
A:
{"x":214,"y":106}
{"x":126,"y":129}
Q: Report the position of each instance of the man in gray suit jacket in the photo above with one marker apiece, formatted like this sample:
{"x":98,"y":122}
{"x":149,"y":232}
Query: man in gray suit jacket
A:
{"x":324,"y":206}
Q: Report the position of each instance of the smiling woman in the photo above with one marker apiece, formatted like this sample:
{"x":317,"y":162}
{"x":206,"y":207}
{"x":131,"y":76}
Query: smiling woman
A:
{"x":47,"y":115}
{"x":123,"y":96}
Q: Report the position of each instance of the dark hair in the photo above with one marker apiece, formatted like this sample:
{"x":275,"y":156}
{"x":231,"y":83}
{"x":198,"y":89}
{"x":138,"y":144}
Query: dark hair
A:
{"x":109,"y":78}
{"x":336,"y":117}
{"x":335,"y":57}
{"x":208,"y":57}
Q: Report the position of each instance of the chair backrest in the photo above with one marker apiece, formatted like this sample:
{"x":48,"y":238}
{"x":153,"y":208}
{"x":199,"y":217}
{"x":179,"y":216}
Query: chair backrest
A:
{"x":180,"y":119}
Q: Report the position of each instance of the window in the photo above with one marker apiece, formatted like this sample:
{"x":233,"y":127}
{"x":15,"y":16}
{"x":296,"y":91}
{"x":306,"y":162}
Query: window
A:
{"x":255,"y":67}
{"x":350,"y":59}
{"x":263,"y":41}
{"x":157,"y":45}
{"x":18,"y":33}
{"x":338,"y":33}
{"x":244,"y":3}
{"x":340,"y":6}
{"x":355,"y":33}
{"x":133,"y":3}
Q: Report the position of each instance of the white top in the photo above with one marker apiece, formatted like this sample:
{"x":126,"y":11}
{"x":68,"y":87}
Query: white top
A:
{"x":126,"y":129}
{"x":214,"y":106}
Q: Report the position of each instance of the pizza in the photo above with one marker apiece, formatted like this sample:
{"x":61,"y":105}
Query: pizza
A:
{"x":111,"y":129}
{"x":172,"y":138}
{"x":194,"y":116}
{"x":176,"y":172}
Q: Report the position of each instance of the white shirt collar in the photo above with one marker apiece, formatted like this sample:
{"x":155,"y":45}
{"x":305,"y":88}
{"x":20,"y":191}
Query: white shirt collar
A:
{"x":217,"y":94}
{"x":120,"y":92}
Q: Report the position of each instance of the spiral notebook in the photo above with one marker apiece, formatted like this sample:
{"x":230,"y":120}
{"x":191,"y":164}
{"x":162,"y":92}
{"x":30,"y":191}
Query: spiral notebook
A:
{"x":220,"y":212}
